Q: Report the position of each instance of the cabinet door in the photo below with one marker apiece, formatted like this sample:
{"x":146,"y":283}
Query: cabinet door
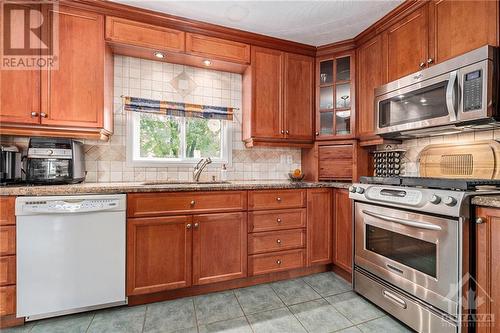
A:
{"x":267,"y":91}
{"x":319,"y":226}
{"x":336,"y":162}
{"x":487,"y":268}
{"x":370,"y":76}
{"x":298,"y":97}
{"x":219,"y":247}
{"x":342,"y":243}
{"x":406,"y":45}
{"x":158,"y":254}
{"x":461,"y":26}
{"x":74,"y":93}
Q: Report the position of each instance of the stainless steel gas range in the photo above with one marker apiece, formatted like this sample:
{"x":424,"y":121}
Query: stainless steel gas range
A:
{"x":412,"y":242}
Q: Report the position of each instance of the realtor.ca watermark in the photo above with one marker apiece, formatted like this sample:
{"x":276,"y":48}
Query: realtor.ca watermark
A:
{"x":29,"y":35}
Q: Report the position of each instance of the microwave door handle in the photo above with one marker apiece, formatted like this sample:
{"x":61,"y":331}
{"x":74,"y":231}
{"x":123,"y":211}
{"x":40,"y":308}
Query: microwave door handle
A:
{"x":408,"y":223}
{"x":451,"y":96}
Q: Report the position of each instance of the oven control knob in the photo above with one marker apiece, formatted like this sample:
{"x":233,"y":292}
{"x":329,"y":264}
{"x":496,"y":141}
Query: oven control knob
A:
{"x":450,"y":201}
{"x":360,"y":190}
{"x":352,"y":189}
{"x":435,"y":199}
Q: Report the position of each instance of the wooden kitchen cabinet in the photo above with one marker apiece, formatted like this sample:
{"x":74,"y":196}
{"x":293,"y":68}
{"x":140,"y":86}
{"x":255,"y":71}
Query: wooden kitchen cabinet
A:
{"x":370,"y":70}
{"x":74,"y":99}
{"x":319,"y":226}
{"x":406,"y":44}
{"x":219,"y":247}
{"x":487,"y":268}
{"x":158,"y":254}
{"x":277,"y":93}
{"x":217,"y":48}
{"x":342,"y":230}
{"x":335,"y":100}
{"x":7,"y":300}
{"x":457,"y":27}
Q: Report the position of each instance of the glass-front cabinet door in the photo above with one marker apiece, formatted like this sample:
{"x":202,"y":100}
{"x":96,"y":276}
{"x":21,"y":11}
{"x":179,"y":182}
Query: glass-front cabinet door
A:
{"x":335,"y":104}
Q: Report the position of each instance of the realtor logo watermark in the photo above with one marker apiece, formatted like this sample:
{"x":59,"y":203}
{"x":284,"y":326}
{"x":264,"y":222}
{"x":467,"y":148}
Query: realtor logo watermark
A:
{"x":29,"y":35}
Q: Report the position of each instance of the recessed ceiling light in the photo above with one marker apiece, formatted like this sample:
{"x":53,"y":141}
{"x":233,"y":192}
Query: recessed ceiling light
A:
{"x":207,"y":62}
{"x":159,"y":55}
{"x":423,"y":100}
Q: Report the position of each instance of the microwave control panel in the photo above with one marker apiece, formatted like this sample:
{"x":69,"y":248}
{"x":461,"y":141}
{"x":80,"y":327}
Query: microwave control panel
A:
{"x":473,"y":91}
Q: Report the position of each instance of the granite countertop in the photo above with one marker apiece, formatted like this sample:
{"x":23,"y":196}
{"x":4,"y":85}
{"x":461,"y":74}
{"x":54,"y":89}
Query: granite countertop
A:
{"x":134,"y":187}
{"x":487,"y":200}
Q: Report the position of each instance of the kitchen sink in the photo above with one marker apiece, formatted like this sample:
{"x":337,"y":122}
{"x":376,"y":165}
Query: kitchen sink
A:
{"x":187,"y":182}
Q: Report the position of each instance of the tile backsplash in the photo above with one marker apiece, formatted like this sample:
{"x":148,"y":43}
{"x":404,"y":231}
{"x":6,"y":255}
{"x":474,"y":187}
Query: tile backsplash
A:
{"x":106,"y":161}
{"x":413,"y":147}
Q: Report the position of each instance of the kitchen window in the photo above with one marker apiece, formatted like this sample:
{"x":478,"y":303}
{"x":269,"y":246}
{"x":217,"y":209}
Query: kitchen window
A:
{"x":165,"y":140}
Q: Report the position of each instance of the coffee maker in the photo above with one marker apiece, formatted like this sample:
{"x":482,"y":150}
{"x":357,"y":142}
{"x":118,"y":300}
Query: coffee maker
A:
{"x":10,"y":165}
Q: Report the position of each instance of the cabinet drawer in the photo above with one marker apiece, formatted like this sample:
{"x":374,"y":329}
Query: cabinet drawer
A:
{"x":271,"y":241}
{"x":145,"y":35}
{"x":260,"y":200}
{"x":7,"y":240}
{"x":7,"y":300}
{"x":7,"y":270}
{"x":165,"y":203}
{"x":213,"y":47}
{"x":336,"y":161}
{"x":7,"y":213}
{"x":276,"y":261}
{"x":276,"y":219}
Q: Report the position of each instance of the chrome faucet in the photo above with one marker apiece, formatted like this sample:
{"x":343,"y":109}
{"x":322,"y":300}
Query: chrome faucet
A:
{"x":199,"y":168}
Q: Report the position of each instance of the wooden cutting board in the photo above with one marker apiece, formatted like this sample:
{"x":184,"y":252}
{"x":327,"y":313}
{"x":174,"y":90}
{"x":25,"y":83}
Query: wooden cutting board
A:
{"x":478,"y":160}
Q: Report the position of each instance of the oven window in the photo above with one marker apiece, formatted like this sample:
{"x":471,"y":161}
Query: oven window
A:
{"x":422,"y":104}
{"x":49,"y":169}
{"x":409,"y":251}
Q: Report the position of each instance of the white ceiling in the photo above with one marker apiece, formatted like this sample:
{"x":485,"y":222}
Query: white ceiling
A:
{"x":309,"y":22}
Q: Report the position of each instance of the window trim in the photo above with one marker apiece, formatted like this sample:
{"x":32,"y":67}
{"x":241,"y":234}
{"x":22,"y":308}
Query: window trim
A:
{"x":131,"y":123}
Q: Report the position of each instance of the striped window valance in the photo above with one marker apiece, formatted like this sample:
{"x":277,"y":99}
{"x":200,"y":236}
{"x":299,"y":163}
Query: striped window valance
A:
{"x":177,"y":109}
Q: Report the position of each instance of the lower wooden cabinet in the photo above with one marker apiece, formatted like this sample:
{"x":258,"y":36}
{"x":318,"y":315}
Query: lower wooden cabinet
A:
{"x":219,"y":247}
{"x":342,"y":230}
{"x":158,"y":254}
{"x":7,"y":300}
{"x":487,"y":269}
{"x":319,"y":226}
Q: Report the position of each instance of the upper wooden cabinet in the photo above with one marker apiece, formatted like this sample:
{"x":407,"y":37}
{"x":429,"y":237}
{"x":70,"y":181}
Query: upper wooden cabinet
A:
{"x":370,"y":69}
{"x":277,"y":98}
{"x":335,"y":104}
{"x":129,"y":32}
{"x":217,"y":48}
{"x":406,"y":44}
{"x":75,"y":98}
{"x":457,"y":27}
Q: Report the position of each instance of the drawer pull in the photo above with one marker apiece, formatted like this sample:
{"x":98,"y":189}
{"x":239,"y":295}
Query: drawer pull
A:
{"x":278,"y":262}
{"x":192,"y":202}
{"x":394,"y":299}
{"x":196,"y":225}
{"x":34,"y":114}
{"x":278,"y":220}
{"x":278,"y":241}
{"x":278,"y":199}
{"x":188,"y":226}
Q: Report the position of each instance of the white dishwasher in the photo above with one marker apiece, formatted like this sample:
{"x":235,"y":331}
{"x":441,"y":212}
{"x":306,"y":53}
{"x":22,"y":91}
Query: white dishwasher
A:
{"x":70,"y":254}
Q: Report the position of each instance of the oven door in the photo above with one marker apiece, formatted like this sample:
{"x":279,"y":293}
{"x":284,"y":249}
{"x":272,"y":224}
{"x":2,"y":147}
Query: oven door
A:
{"x":429,"y":103}
{"x":415,"y":252}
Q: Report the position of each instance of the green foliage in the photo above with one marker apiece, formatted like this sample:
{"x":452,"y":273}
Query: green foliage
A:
{"x":160,"y":137}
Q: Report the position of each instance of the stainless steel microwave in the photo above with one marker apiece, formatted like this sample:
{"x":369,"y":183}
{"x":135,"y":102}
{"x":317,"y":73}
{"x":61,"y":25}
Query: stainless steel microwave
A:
{"x":456,"y":95}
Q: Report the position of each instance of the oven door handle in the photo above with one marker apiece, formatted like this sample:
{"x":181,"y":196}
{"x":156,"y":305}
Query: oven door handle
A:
{"x":451,"y":96}
{"x":409,"y":223}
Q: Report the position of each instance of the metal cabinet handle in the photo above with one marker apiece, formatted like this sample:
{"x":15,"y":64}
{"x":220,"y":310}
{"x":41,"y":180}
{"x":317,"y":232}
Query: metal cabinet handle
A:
{"x":188,"y":226}
{"x":282,"y":132}
{"x":287,"y":132}
{"x":278,"y":199}
{"x":430,"y":61}
{"x":278,"y":262}
{"x":278,"y":241}
{"x":192,"y":202}
{"x":34,"y":114}
{"x":278,"y":220}
{"x":480,"y":220}
{"x":196,"y":225}
{"x":43,"y":115}
{"x":422,"y":64}
{"x":317,"y":133}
